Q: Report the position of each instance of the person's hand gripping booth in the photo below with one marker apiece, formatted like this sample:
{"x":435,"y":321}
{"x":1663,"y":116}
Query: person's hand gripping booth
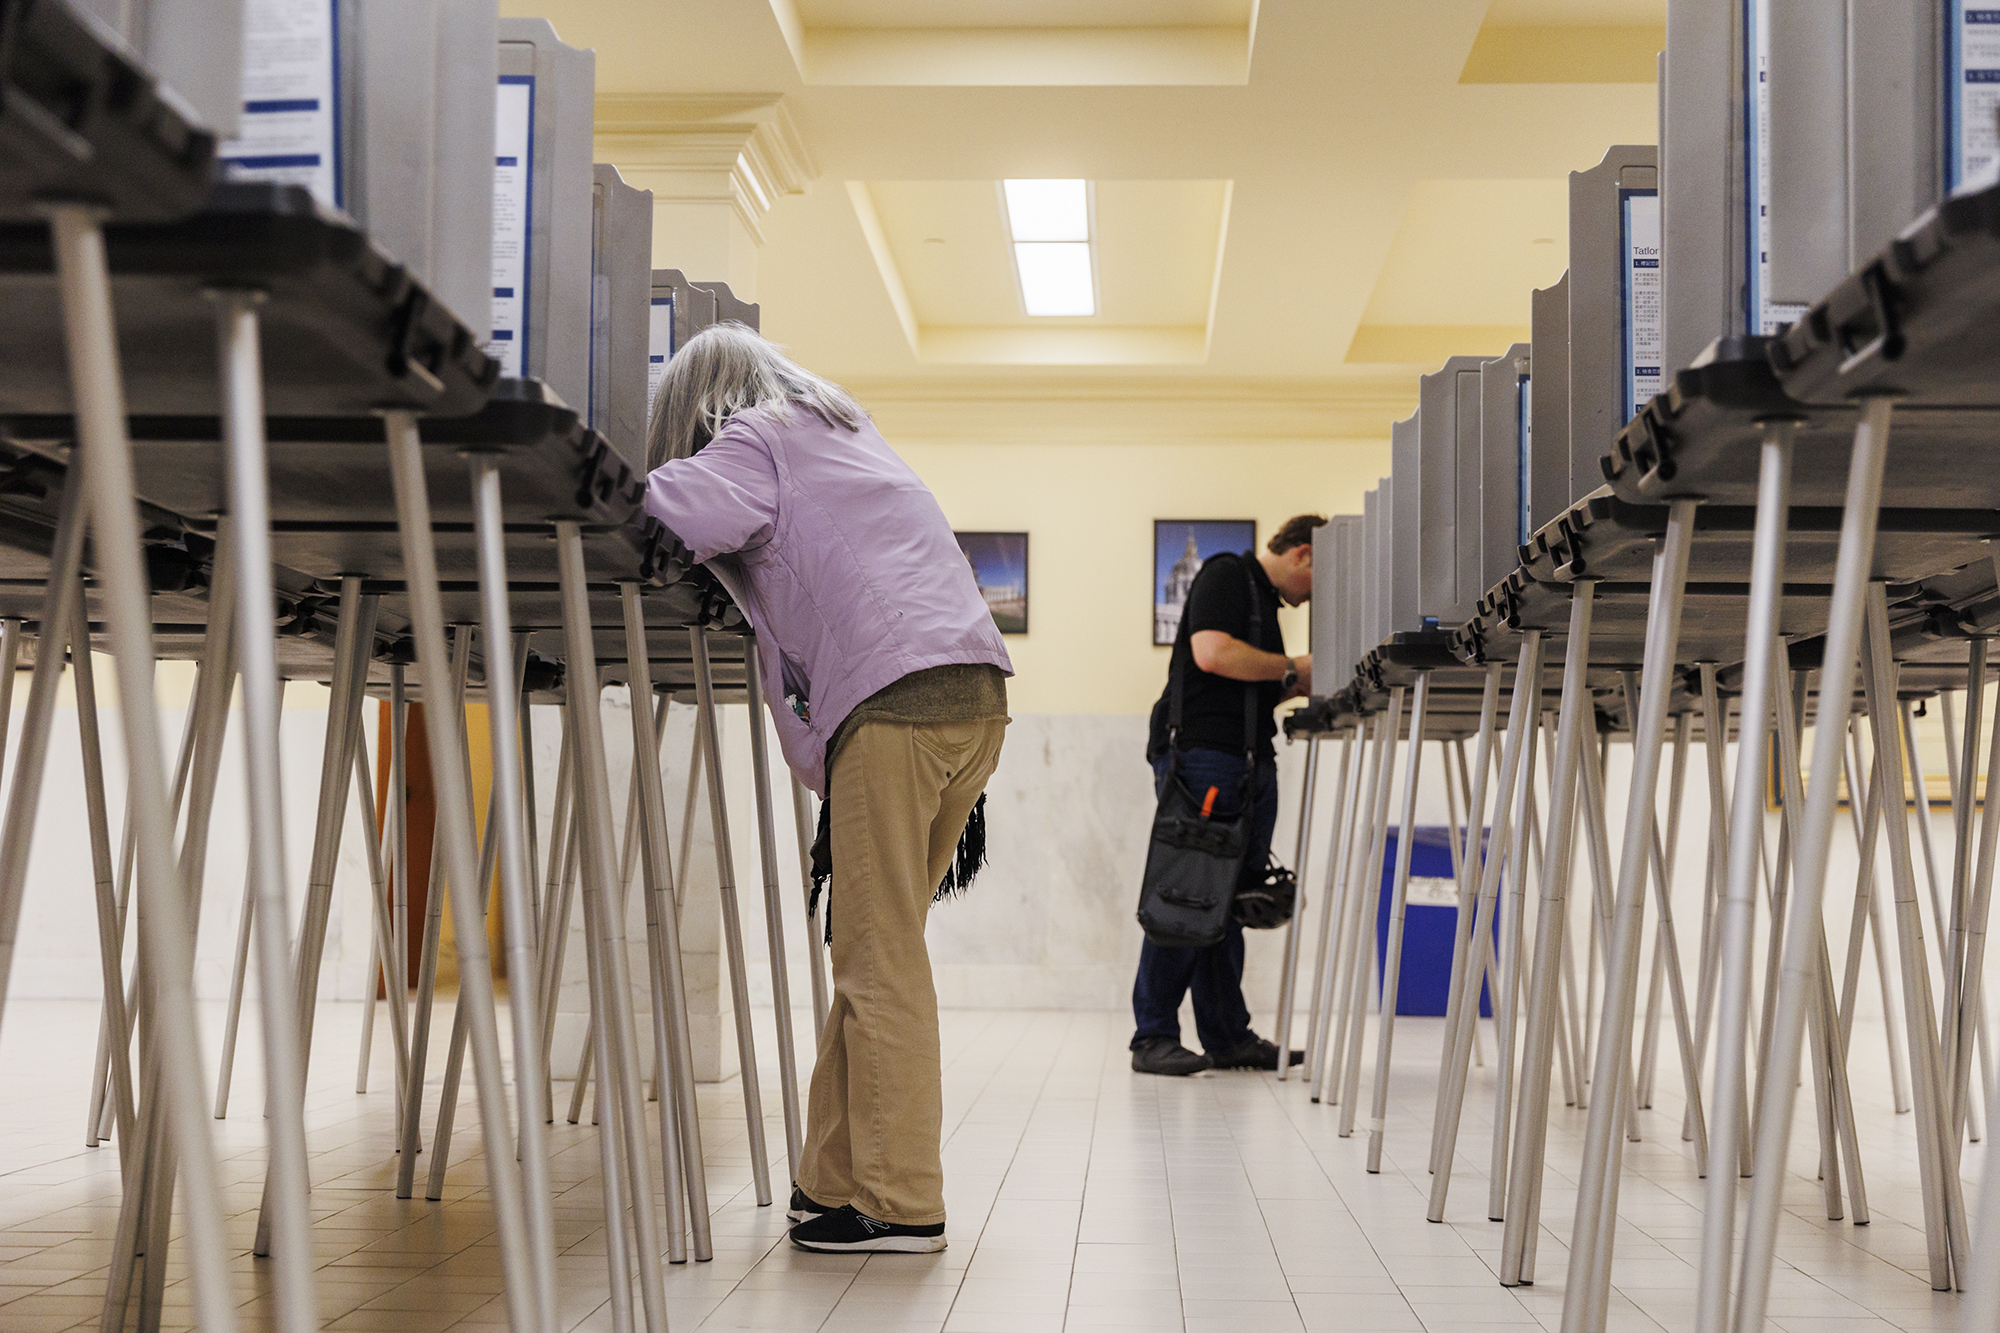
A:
{"x":893,"y":682}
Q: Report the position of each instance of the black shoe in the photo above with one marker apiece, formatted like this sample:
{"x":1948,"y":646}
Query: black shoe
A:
{"x":804,"y":1208}
{"x":1257,"y":1053}
{"x":1164,"y":1055}
{"x":844,"y":1230}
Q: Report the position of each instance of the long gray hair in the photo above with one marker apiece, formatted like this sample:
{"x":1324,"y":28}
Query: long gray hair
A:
{"x":729,"y":368}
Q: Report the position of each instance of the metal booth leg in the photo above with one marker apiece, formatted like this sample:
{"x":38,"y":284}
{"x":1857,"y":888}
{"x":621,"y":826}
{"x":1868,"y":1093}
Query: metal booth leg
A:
{"x":1479,"y":911}
{"x":1354,"y":1013}
{"x":802,"y":826}
{"x":1523,"y":1204}
{"x":381,"y":970}
{"x":514,"y":816}
{"x":732,"y":920}
{"x":1341,"y":909}
{"x":425,"y":999}
{"x":1511,"y":904}
{"x":1392,"y":958}
{"x":266,"y":906}
{"x":680,"y":1121}
{"x":1744,"y":845}
{"x":117,"y":1021}
{"x":774,"y":909}
{"x":1467,"y":948}
{"x":1843,"y":645}
{"x":104,"y":454}
{"x":1288,"y":968}
{"x":618,"y":1038}
{"x":1332,"y":904}
{"x":445,"y":722}
{"x":1588,"y":1292}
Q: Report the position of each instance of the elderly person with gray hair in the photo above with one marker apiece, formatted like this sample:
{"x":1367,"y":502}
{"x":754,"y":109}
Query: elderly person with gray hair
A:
{"x":893,"y":682}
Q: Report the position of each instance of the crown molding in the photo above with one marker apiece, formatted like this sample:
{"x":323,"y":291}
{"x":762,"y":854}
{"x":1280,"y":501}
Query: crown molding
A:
{"x":742,"y":150}
{"x":1135,"y":409}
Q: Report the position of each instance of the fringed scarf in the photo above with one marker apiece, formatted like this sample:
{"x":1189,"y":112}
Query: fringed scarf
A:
{"x":966,"y":862}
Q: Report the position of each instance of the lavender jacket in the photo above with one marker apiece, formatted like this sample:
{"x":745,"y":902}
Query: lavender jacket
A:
{"x":840,"y":557}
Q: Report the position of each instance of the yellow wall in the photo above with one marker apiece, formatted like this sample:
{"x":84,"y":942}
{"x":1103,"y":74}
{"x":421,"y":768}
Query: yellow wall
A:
{"x":1088,"y":510}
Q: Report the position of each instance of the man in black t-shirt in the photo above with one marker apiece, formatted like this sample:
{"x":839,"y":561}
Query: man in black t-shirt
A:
{"x":1219,"y":661}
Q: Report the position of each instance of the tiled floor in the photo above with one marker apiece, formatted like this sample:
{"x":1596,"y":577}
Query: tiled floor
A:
{"x":1081,"y":1196}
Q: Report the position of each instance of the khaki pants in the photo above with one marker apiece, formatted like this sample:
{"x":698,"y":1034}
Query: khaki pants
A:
{"x":900,"y":794}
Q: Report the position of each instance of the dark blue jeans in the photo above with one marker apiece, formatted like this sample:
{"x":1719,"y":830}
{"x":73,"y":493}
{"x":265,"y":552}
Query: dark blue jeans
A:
{"x":1214,"y":974}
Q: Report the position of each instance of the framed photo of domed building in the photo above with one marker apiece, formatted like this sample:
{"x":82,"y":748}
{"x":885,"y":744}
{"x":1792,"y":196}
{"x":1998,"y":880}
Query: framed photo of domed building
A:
{"x":1180,"y":546}
{"x":999,"y":563}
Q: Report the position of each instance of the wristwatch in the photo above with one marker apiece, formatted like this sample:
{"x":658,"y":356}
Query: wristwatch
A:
{"x":1290,"y":680}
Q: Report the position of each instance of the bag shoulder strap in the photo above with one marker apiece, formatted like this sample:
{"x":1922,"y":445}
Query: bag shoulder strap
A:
{"x":1250,"y":690}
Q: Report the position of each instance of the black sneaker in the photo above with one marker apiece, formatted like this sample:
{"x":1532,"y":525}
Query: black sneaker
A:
{"x":804,"y":1208}
{"x":844,"y":1230}
{"x":1164,"y":1055}
{"x":1257,"y":1053}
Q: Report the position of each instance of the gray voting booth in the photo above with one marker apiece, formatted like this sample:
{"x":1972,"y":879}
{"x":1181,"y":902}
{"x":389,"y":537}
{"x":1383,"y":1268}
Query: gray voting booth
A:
{"x":1451,"y":492}
{"x":542,"y":212}
{"x":385,"y":112}
{"x":1505,"y":399}
{"x":621,"y":247}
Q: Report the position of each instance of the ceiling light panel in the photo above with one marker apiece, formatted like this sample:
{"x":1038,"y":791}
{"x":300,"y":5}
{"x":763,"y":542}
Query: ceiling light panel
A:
{"x":1055,"y":277}
{"x":1047,"y":210}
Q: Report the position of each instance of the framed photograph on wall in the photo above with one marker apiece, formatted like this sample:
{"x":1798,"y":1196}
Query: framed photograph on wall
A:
{"x":999,"y":563}
{"x":1180,"y":545}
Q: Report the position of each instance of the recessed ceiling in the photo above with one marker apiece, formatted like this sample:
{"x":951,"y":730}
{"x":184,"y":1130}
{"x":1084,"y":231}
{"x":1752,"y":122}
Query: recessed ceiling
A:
{"x":1568,"y":41}
{"x":1457,"y":277}
{"x":1034,"y":43}
{"x":943,"y":245}
{"x":1024,"y":13}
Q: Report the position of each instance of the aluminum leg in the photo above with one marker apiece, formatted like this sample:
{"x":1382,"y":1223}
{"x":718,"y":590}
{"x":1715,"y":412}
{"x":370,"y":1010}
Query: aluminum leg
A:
{"x":1523,"y":1203}
{"x":774,"y":909}
{"x":451,"y":700}
{"x":802,"y":825}
{"x":1589,"y":1290}
{"x":680,"y":1122}
{"x":1370,"y":812}
{"x":553,"y":929}
{"x":1392,"y":964}
{"x":117,"y":1024}
{"x":382,"y":970}
{"x":1920,"y":785}
{"x":515,"y":816}
{"x":1511,"y":904}
{"x":1368,"y":905}
{"x":1288,"y":968}
{"x":1477,"y":908}
{"x":1966,"y":1005}
{"x":732,"y":921}
{"x":1352,"y":813}
{"x":1838,"y":1142}
{"x":620,"y":1044}
{"x":1851,"y":599}
{"x":62,"y":605}
{"x":1649,"y":1049}
{"x":1745,"y":838}
{"x":454,"y":1062}
{"x":239,"y":974}
{"x":104,"y":453}
{"x":1330,"y":908}
{"x":445,"y":726}
{"x":266,"y":907}
{"x":1468,"y":946}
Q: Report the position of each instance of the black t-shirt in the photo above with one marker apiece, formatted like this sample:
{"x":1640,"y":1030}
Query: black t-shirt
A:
{"x":1212,"y":710}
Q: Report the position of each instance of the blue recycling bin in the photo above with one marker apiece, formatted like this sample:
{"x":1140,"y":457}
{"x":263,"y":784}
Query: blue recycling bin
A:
{"x":1430,"y":923}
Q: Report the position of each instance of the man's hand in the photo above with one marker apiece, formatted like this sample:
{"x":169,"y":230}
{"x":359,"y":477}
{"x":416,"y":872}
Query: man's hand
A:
{"x":1303,"y":687}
